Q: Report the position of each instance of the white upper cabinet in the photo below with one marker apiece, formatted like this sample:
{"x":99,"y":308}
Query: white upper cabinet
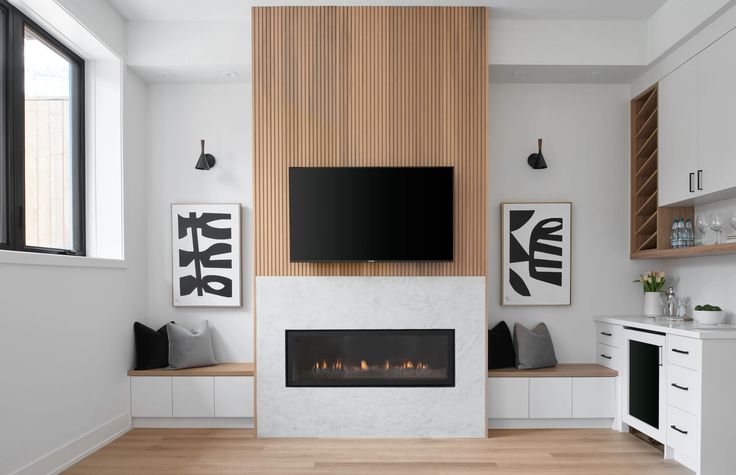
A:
{"x":717,"y":115}
{"x":697,"y":117}
{"x":678,"y":134}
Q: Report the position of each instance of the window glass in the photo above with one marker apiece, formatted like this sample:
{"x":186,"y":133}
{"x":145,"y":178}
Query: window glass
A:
{"x":49,"y":167}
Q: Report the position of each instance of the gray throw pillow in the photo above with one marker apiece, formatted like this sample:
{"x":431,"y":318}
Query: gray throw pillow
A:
{"x":190,"y":349}
{"x":534,"y":348}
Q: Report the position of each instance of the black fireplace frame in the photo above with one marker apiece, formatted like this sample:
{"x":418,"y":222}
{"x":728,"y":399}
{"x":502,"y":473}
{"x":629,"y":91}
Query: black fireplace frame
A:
{"x":409,"y":383}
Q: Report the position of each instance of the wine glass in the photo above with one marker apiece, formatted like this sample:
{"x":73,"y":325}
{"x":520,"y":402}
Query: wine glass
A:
{"x":732,"y":220}
{"x":715,"y":225}
{"x":702,"y":225}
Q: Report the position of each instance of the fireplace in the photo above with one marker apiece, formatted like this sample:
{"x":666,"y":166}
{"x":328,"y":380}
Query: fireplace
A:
{"x":370,"y":358}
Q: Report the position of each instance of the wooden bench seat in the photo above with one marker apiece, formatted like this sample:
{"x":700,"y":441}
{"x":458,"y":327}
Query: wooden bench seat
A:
{"x":576,"y":370}
{"x":222,"y":369}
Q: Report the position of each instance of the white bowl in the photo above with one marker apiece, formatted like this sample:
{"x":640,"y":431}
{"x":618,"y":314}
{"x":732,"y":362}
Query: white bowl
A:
{"x":707,"y":317}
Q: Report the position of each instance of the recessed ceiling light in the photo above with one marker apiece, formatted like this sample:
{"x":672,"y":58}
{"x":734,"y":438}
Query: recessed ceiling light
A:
{"x":594,"y":74}
{"x":166,"y":75}
{"x":517,"y":74}
{"x":231,"y":74}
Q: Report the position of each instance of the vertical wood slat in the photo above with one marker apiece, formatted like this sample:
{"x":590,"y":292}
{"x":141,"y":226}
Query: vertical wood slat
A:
{"x":370,"y":86}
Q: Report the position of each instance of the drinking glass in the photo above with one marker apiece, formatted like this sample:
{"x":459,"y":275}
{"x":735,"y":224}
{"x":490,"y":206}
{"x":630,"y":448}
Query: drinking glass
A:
{"x":732,"y":220}
{"x":702,"y":225}
{"x":715,"y":225}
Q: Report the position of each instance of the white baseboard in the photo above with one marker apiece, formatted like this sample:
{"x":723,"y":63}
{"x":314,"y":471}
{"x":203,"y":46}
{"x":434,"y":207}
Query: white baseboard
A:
{"x":193,"y":422}
{"x":72,"y":452}
{"x":550,"y":423}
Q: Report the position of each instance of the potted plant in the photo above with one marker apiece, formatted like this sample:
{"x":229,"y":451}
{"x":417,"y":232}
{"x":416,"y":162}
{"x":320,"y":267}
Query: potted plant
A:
{"x":652,"y":282}
{"x":708,"y":314}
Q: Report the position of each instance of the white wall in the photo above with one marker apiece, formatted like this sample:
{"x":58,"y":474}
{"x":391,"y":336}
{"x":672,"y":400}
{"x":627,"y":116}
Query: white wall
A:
{"x":68,"y":337}
{"x":585,"y":130}
{"x":181,"y":115}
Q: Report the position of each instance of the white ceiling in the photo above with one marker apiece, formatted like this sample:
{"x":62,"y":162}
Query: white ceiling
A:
{"x":219,"y":10}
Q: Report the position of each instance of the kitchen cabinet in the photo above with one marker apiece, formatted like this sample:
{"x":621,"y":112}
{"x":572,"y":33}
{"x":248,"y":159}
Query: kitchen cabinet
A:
{"x":717,"y":115}
{"x":678,"y":134}
{"x":696,"y":418}
{"x":696,"y":123}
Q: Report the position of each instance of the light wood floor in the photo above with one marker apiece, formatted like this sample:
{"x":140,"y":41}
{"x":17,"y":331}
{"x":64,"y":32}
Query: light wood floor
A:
{"x":236,"y":451}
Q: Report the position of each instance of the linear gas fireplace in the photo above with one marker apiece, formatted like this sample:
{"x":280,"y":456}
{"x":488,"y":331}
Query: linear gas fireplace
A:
{"x":379,"y":358}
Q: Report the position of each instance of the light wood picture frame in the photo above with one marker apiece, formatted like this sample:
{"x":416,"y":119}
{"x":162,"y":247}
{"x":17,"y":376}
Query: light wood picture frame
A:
{"x":536,"y":253}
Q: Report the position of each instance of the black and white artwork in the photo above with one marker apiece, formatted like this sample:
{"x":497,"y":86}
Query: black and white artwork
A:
{"x":206,"y":255}
{"x":535,"y":253}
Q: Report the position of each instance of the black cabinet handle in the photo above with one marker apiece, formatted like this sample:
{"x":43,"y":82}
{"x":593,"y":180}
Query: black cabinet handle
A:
{"x":605,"y":356}
{"x":678,"y":429}
{"x":682,"y":352}
{"x":606,"y":334}
{"x":700,"y":180}
{"x":692,"y":176}
{"x":675,"y":385}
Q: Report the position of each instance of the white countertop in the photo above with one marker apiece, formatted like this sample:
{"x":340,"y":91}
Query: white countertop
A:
{"x":689,"y":329}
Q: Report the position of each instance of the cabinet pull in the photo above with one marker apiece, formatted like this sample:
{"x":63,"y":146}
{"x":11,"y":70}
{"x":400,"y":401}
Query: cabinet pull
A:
{"x":682,"y":352}
{"x":605,"y":356}
{"x":675,"y":385}
{"x":606,"y":334}
{"x":678,"y":429}
{"x":692,"y":176}
{"x":700,"y":180}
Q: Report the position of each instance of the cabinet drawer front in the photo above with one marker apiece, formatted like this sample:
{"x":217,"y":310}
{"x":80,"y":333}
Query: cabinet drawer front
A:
{"x":683,"y":352}
{"x":608,"y":356}
{"x":593,"y":397}
{"x":150,"y":396}
{"x":682,"y":431}
{"x":683,"y":389}
{"x":194,"y":396}
{"x":550,"y":398}
{"x":609,"y":334}
{"x":234,"y":396}
{"x":507,"y":398}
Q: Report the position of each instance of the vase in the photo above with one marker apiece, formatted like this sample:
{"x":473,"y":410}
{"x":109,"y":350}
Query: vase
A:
{"x":652,"y":304}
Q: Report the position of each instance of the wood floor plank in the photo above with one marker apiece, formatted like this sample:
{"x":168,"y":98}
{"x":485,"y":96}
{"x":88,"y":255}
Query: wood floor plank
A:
{"x":237,"y":451}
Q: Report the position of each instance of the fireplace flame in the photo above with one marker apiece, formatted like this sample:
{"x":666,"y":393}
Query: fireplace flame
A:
{"x":339,"y":365}
{"x":363,"y":365}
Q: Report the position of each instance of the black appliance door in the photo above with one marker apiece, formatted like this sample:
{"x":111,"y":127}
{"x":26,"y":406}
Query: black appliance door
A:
{"x":644,"y":382}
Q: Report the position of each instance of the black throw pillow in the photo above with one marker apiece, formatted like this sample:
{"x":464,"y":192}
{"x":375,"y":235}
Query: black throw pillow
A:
{"x":501,"y":352}
{"x":151,"y":347}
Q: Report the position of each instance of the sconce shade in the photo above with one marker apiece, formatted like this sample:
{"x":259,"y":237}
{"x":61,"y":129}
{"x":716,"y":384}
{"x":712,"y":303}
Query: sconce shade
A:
{"x":536,"y":160}
{"x":206,"y":161}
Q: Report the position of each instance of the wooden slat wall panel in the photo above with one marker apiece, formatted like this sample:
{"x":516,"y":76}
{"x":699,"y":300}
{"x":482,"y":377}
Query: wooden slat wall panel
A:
{"x":369,"y":86}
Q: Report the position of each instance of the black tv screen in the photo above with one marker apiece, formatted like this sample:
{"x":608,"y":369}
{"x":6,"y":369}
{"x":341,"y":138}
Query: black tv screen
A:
{"x":371,"y":214}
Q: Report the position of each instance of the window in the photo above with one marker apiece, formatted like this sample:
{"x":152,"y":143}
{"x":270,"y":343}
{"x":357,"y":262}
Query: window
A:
{"x":42,"y":167}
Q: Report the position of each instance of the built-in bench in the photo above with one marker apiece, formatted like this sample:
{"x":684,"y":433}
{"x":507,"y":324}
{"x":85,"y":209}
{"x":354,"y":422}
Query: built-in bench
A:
{"x":212,"y":396}
{"x":567,"y":395}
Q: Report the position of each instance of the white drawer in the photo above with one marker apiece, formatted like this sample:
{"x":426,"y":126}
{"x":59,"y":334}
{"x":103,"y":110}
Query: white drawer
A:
{"x":150,"y":396}
{"x":683,"y":389}
{"x":593,"y":397}
{"x":682,"y":351}
{"x":609,"y":334}
{"x":550,"y":398}
{"x":682,"y":431}
{"x":234,"y":396}
{"x":608,"y":356}
{"x":507,"y":398}
{"x":193,"y":396}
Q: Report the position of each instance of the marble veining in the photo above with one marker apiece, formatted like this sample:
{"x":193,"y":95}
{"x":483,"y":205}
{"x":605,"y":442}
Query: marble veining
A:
{"x":371,"y":303}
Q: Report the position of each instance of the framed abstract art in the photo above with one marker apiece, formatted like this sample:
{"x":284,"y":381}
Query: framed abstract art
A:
{"x":535,"y":253}
{"x":206,"y":255}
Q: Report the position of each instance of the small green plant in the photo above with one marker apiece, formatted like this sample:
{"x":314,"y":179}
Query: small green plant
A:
{"x":708,"y":308}
{"x":652,"y":281}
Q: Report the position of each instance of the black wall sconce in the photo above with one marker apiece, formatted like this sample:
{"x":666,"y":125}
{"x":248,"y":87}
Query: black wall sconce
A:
{"x":206,"y":160}
{"x":536,"y":160}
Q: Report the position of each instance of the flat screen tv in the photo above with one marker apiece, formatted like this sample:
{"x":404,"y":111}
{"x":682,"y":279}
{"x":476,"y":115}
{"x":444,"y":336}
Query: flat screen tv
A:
{"x":371,"y":214}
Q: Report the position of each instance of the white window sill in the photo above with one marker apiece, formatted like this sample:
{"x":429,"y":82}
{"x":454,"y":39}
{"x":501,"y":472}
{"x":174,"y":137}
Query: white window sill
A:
{"x":38,"y":259}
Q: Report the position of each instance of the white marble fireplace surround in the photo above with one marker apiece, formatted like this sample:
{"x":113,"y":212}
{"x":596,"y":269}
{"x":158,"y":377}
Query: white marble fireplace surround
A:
{"x":310,"y":303}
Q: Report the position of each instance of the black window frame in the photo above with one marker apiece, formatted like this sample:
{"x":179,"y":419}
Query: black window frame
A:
{"x":12,"y":131}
